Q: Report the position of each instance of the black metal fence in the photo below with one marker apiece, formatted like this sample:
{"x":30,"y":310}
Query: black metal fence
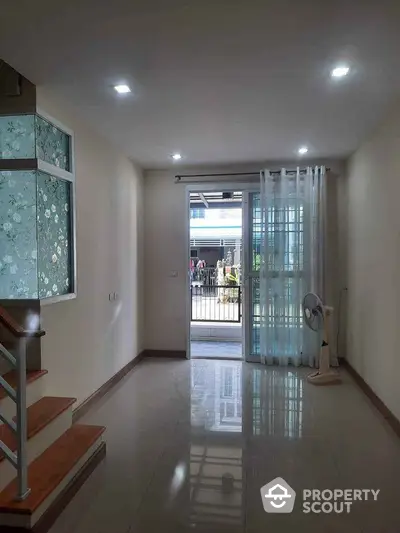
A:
{"x":216,"y":303}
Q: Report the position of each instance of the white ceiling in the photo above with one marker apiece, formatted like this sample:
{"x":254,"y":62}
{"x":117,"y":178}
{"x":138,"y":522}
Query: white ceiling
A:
{"x":221,"y":81}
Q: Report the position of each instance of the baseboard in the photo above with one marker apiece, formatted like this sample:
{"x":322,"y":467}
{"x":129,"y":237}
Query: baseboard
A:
{"x":84,"y":407}
{"x":176,"y":354}
{"x":63,"y":499}
{"x":377,"y":402}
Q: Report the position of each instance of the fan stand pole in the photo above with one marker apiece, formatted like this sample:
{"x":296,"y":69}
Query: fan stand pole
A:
{"x":325,"y":375}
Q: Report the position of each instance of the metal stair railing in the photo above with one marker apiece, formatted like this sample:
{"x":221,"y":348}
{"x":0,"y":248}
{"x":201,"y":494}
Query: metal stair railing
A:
{"x":19,"y":428}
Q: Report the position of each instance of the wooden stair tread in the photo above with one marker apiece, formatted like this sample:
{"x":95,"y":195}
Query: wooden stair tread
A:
{"x":50,"y":468}
{"x":11,"y":378}
{"x":39,"y":415}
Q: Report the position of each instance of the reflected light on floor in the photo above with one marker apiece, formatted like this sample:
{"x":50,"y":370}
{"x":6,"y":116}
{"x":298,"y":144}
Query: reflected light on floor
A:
{"x":216,"y":397}
{"x":277,"y":403}
{"x":216,"y":465}
{"x":216,"y":486}
{"x":178,"y":479}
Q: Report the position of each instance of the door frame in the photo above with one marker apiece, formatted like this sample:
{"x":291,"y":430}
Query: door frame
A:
{"x":220,"y":186}
{"x":248,"y":273}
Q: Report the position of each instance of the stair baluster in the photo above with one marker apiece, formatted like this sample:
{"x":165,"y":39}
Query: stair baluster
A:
{"x":19,"y":427}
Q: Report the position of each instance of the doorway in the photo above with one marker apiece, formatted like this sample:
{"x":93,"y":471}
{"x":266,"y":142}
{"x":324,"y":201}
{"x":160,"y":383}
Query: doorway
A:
{"x":215,"y":273}
{"x":252,"y":224}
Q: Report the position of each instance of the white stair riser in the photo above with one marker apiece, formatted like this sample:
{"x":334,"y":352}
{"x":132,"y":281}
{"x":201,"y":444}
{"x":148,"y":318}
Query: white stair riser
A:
{"x":34,"y":392}
{"x":38,"y":444}
{"x":28,"y":521}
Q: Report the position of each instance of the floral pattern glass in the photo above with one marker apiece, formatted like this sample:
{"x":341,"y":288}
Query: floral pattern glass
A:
{"x":52,"y":144}
{"x":31,"y":136}
{"x":35,"y":211}
{"x":35,"y":235}
{"x":54,"y":236}
{"x":17,"y":137}
{"x":18,"y":246}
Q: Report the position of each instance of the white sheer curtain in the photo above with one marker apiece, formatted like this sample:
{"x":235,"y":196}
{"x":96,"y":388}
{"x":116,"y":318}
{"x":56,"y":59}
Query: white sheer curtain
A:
{"x":292,"y":252}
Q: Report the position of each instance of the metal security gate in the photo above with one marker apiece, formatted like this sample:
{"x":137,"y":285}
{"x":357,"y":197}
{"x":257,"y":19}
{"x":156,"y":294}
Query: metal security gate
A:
{"x":216,"y":303}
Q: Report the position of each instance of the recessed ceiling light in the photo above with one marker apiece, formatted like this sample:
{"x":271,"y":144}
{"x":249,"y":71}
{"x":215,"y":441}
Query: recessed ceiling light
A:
{"x":303,"y":150}
{"x":122,"y":89}
{"x":176,"y":157}
{"x":340,"y":71}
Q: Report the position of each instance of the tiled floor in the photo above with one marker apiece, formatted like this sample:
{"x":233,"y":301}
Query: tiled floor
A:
{"x":190,"y":443}
{"x":209,"y":349}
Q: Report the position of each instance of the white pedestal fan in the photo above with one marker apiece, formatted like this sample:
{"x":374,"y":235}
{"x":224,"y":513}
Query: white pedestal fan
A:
{"x":316,"y":316}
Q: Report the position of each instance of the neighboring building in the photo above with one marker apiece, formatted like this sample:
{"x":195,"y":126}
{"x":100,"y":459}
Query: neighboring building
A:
{"x":214,"y":231}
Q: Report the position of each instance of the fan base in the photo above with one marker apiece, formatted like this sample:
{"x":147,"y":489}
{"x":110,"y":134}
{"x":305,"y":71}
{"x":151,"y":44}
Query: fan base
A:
{"x":326,"y":378}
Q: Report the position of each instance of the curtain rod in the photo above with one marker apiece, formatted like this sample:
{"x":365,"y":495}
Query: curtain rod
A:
{"x":178,"y":177}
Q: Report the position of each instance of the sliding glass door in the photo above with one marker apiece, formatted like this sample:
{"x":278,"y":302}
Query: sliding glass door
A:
{"x":285,"y":277}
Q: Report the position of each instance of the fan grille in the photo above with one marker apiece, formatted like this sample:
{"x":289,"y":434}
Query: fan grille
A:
{"x":313,"y":311}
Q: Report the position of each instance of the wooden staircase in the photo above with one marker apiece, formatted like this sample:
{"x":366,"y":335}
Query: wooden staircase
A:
{"x":60,"y":456}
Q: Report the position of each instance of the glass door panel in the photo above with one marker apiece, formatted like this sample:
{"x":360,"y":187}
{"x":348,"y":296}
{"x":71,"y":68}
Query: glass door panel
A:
{"x":252,"y":258}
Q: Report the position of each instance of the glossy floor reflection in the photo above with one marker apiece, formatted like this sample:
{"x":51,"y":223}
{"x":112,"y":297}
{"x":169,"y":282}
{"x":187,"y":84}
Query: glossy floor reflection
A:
{"x":190,"y":444}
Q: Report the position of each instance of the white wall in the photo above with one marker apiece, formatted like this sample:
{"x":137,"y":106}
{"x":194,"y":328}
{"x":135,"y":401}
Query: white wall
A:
{"x":165,"y":251}
{"x":371,"y":260}
{"x":90,"y":338}
{"x":166,"y":235}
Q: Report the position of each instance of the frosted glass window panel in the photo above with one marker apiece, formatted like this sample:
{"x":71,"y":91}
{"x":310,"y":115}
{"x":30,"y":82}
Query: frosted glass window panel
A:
{"x":54,"y":235}
{"x":52,"y":144}
{"x":32,"y":136}
{"x":35,"y":210}
{"x":17,"y":137}
{"x":18,"y":245}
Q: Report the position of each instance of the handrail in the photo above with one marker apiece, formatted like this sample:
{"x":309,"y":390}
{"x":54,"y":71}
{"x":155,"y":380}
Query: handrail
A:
{"x":10,"y":323}
{"x":19,"y":428}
